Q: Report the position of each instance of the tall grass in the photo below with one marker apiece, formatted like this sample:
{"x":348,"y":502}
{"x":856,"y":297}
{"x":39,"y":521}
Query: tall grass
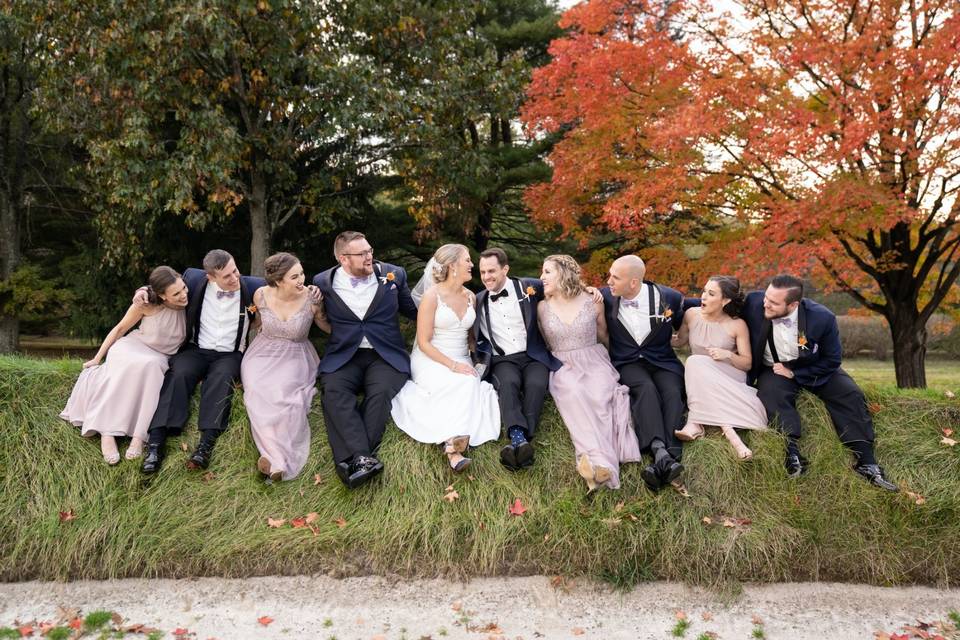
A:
{"x":828,"y":525}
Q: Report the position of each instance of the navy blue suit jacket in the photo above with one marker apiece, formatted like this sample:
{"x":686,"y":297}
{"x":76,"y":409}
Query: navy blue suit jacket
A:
{"x":379,"y":325}
{"x":655,"y":348}
{"x":536,"y":347}
{"x":820,"y":351}
{"x":196,"y":281}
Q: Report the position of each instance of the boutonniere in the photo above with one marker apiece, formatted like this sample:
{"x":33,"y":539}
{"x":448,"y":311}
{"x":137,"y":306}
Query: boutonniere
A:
{"x":801,"y":340}
{"x":388,"y":277}
{"x":252,"y":309}
{"x":667,"y":314}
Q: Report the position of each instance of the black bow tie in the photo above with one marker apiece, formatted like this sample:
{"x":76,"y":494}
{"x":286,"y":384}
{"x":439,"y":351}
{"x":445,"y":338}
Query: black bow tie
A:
{"x":503,"y":294}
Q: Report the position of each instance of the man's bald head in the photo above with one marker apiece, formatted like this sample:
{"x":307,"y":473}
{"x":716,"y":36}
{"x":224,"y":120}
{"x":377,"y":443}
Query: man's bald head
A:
{"x":626,"y":276}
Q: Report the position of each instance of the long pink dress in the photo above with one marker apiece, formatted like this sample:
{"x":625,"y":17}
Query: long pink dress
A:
{"x":279,"y":374}
{"x":587,"y":391}
{"x":118,"y":397}
{"x":717,"y":392}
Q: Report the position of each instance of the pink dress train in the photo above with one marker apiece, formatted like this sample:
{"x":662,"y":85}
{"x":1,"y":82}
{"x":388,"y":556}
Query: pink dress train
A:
{"x":717,"y":392}
{"x":118,"y":398}
{"x":588,"y":394}
{"x":279,"y":375}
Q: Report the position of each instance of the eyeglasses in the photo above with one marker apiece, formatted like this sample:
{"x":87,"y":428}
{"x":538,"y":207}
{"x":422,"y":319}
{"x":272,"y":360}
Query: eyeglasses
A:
{"x":362,"y":254}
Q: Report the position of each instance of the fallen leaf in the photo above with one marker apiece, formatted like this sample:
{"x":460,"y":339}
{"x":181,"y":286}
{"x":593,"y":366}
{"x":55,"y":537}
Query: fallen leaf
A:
{"x":681,"y":488}
{"x":618,"y":507}
{"x":298,"y":523}
{"x":208,"y":476}
{"x":67,"y":516}
{"x":265,"y":620}
{"x":456,"y":606}
{"x":577,"y":631}
{"x":179,"y":632}
{"x":317,"y":479}
{"x":707,"y":520}
{"x":680,"y":614}
{"x":45,"y":627}
{"x":948,"y":441}
{"x":947,"y":432}
{"x":116,"y":618}
{"x":916,"y":497}
{"x":470,"y":478}
{"x":276,"y":524}
{"x":949,"y":394}
{"x":711,"y":634}
{"x":184,"y":447}
{"x":25,"y":631}
{"x":728,"y":522}
{"x":611,"y":522}
{"x":874,"y":407}
{"x":517,"y":508}
{"x":449,"y":487}
{"x":340,"y":522}
{"x":633,"y":517}
{"x":706,"y":616}
{"x":312,"y":517}
{"x":314,"y":529}
{"x":757,"y":620}
{"x":300,"y":492}
{"x":451,"y":496}
{"x":546,"y":537}
{"x":491,"y":627}
{"x":76,"y":623}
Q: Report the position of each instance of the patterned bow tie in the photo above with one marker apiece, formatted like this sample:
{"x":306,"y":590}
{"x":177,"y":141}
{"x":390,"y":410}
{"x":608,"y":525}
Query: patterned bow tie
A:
{"x":631,"y":303}
{"x":225,"y":294}
{"x":360,"y":280}
{"x":786,"y":322}
{"x":503,"y":294}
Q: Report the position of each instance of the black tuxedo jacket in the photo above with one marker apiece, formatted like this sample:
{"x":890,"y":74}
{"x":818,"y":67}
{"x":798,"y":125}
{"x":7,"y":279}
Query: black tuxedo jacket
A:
{"x":379,"y":325}
{"x":817,"y":334}
{"x":530,"y":293}
{"x":656,"y":347}
{"x":196,"y":281}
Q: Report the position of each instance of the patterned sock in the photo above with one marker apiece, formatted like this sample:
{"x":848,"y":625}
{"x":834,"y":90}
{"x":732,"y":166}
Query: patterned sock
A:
{"x":517,"y":436}
{"x":793,"y":447}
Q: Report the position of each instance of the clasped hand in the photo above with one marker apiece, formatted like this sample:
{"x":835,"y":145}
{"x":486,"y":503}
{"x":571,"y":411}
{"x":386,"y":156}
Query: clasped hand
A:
{"x":464,"y":368}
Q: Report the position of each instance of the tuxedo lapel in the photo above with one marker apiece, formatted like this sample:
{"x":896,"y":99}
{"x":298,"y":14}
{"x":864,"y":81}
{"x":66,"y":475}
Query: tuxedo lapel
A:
{"x":525,"y":303}
{"x":481,"y":307}
{"x":802,"y":350}
{"x":382,"y":285}
{"x":656,"y":313}
{"x":195,"y":309}
{"x":615,"y":318}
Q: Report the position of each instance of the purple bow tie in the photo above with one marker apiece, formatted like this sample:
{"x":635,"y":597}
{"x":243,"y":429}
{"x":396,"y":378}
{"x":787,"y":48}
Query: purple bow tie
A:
{"x":225,"y":294}
{"x":360,"y":280}
{"x":631,"y":303}
{"x":787,"y":322}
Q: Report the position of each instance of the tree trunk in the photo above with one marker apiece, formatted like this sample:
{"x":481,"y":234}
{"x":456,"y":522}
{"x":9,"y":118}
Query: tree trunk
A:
{"x":260,"y":232}
{"x":9,"y":261}
{"x":909,"y":347}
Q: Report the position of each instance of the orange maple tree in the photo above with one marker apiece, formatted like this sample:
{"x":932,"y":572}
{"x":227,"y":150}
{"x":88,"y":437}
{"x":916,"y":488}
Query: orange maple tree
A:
{"x":819,"y":137}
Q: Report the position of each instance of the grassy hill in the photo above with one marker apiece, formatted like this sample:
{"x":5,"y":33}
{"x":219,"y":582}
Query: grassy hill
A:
{"x":828,"y":525}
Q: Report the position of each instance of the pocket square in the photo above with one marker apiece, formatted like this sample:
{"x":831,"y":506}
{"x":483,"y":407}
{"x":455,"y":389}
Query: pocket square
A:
{"x":815,"y":347}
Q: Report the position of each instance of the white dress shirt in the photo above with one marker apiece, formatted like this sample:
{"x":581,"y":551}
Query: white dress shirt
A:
{"x":637,"y":319}
{"x":784,"y":339}
{"x":357,"y":298}
{"x":506,"y":321}
{"x":219,"y":319}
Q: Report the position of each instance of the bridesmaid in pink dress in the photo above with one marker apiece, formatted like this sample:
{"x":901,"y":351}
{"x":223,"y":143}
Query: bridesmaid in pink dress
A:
{"x":586,"y":389}
{"x":279,"y":368}
{"x":716,"y":372}
{"x":118,"y":398}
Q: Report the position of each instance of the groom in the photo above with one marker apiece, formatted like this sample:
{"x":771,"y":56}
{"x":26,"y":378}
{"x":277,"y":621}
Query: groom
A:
{"x":366,"y":353}
{"x":218,"y":318}
{"x":507,"y":333}
{"x":641,"y":318}
{"x":796,"y":346}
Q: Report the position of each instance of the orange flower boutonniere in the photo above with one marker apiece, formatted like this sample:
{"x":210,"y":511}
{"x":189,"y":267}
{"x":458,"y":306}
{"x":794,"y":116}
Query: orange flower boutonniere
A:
{"x":667,"y":313}
{"x":802,"y":341}
{"x":388,"y":277}
{"x":531,"y":291}
{"x":252,"y":309}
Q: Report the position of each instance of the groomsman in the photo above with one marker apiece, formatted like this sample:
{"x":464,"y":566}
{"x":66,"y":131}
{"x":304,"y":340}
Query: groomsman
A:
{"x":508,"y":335}
{"x":796,"y":345}
{"x":219,"y":313}
{"x":641,"y":318}
{"x":366,"y":353}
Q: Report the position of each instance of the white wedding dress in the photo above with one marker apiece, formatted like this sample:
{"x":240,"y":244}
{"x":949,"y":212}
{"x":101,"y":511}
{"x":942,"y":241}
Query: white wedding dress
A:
{"x":437,"y":404}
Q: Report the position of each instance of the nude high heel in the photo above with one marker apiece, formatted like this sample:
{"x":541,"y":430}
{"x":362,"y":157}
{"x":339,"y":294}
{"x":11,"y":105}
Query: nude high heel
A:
{"x":743,"y":452}
{"x":458,"y":462}
{"x":585,"y":469}
{"x":135,"y":450}
{"x":691,"y":431}
{"x":108,"y":447}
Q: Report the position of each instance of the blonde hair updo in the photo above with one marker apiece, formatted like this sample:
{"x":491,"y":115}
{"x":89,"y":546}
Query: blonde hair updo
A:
{"x":568,"y":275}
{"x":445,"y":257}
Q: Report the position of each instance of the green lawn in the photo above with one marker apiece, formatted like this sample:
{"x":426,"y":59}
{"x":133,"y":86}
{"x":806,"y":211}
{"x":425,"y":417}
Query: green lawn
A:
{"x":942,"y":375}
{"x":828,"y":525}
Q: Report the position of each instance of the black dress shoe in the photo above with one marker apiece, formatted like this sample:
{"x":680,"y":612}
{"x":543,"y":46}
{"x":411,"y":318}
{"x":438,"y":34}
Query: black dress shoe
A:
{"x":343,"y":472}
{"x":524,"y":452}
{"x":362,"y":469}
{"x":668,"y":469}
{"x":152,"y":459}
{"x":651,"y":478}
{"x":508,"y":457}
{"x":874,"y":475}
{"x":795,"y":464}
{"x":201,"y":456}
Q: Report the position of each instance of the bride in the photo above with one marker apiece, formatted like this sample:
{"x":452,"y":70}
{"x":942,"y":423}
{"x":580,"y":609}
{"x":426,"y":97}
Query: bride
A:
{"x":445,"y":401}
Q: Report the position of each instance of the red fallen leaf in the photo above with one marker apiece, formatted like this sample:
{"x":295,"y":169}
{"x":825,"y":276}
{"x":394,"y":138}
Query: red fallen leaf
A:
{"x":874,"y":407}
{"x":276,"y":523}
{"x":577,"y":631}
{"x":265,"y":620}
{"x":180,"y":632}
{"x":680,"y":614}
{"x":45,"y":627}
{"x":297,"y":523}
{"x":67,"y":516}
{"x":76,"y":623}
{"x":25,"y":631}
{"x":947,"y":432}
{"x":517,"y":508}
{"x":312,"y":517}
{"x":340,"y":522}
{"x":757,"y":620}
{"x":317,"y":479}
{"x":491,"y":627}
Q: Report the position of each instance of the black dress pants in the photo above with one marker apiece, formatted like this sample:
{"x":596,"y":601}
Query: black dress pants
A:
{"x":840,"y":394}
{"x":657,"y":403}
{"x":219,"y":371}
{"x":354,"y":429}
{"x":521,"y":383}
